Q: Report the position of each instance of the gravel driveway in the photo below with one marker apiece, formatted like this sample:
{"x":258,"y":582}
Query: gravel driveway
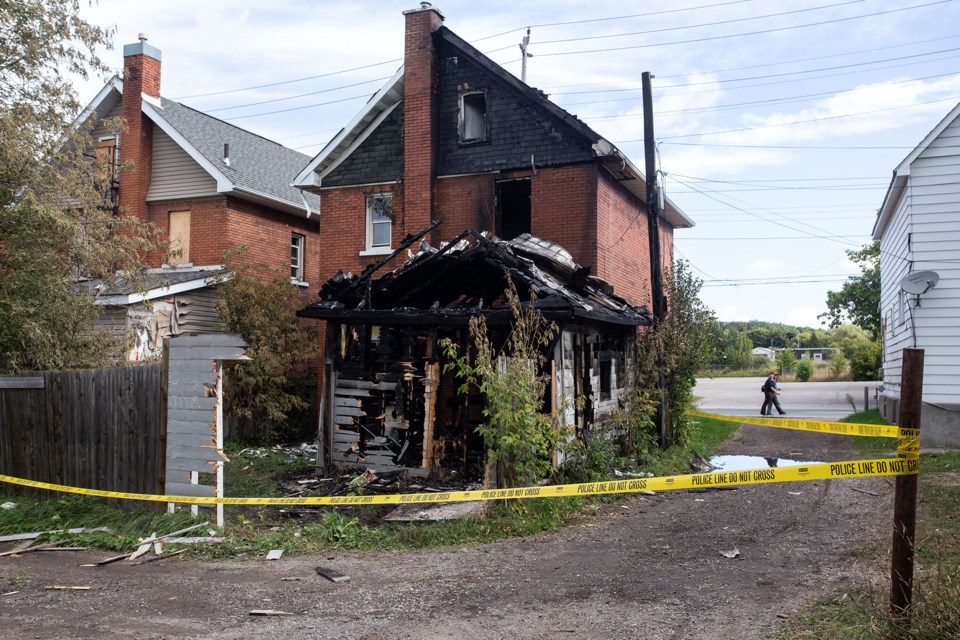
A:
{"x":653,"y":567}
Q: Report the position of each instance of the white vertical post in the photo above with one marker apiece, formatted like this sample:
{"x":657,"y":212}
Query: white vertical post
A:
{"x":218,"y":490}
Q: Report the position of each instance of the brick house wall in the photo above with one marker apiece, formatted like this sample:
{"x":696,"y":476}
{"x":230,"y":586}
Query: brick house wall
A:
{"x":217,"y":223}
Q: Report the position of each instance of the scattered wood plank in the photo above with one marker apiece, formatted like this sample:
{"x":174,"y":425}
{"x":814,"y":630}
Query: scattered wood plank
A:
{"x":107,"y":560}
{"x":30,"y":550}
{"x":269,"y":612}
{"x":163,"y":557}
{"x":33,"y":535}
{"x":59,"y":587}
{"x":332,"y":575}
{"x":142,"y":549}
{"x":22,"y":546}
{"x":194,"y":540}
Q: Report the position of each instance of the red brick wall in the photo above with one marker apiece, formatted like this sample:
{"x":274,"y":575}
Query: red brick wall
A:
{"x":223,"y":223}
{"x":421,"y":103}
{"x":563,"y":210}
{"x":623,"y":241}
{"x":465,"y":202}
{"x":141,"y":74}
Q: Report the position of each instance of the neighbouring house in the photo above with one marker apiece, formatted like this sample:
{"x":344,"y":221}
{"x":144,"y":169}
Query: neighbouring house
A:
{"x":210,"y":185}
{"x":766,"y":352}
{"x":453,"y":136}
{"x":387,"y":402}
{"x":167,"y":302}
{"x":812,"y":353}
{"x":919,"y":231}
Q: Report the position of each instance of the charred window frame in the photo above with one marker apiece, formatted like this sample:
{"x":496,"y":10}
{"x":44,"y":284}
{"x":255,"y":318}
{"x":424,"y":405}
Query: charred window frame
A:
{"x":379,"y":222}
{"x":473,"y":117}
{"x":298,"y":244}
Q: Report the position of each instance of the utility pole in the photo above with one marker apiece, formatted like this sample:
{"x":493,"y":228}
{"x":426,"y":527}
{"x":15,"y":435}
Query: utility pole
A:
{"x":523,"y":58}
{"x":653,"y":228}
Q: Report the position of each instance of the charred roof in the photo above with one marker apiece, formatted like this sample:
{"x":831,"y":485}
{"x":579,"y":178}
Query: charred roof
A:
{"x":467,"y":277}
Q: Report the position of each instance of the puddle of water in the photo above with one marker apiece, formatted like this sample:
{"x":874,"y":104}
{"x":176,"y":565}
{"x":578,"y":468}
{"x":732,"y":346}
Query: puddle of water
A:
{"x":742,"y":463}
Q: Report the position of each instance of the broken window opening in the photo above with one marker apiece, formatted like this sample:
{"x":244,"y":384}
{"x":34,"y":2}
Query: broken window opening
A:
{"x":513,"y":208}
{"x":473,"y":117}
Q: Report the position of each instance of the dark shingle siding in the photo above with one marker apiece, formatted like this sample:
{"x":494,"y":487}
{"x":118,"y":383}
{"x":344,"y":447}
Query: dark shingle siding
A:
{"x":518,"y":127}
{"x":379,"y":158}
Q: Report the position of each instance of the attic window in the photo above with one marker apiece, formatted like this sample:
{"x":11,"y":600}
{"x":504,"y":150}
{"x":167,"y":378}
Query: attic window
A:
{"x":473,"y":116}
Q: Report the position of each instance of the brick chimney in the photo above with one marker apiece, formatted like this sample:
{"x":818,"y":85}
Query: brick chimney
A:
{"x":141,"y":77}
{"x":420,"y":108}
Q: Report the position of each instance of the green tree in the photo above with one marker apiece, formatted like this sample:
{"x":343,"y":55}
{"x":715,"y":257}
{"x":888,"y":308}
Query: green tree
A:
{"x":804,"y":370}
{"x":261,"y":304}
{"x":858,"y":300}
{"x":786,"y":360}
{"x":687,"y":340}
{"x":54,"y":228}
{"x":519,"y":438}
{"x":838,"y":365}
{"x":865,"y":359}
{"x":737,"y":349}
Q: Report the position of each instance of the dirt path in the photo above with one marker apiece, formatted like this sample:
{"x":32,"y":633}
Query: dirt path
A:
{"x":651,"y":568}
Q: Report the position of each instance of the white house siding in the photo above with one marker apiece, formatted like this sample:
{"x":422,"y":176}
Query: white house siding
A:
{"x":924,"y":235}
{"x":176,"y":176}
{"x":893,"y":266}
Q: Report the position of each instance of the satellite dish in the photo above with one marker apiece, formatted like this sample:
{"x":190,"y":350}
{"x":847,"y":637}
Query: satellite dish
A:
{"x":920,"y":282}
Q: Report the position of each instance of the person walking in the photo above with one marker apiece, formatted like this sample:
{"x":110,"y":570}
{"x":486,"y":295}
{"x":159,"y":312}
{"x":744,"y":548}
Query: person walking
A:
{"x":771,"y":393}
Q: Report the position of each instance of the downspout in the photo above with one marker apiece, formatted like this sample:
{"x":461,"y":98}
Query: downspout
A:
{"x":306,"y":205}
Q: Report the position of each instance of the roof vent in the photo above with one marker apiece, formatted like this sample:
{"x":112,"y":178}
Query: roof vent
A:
{"x":226,"y":153}
{"x":142,"y":37}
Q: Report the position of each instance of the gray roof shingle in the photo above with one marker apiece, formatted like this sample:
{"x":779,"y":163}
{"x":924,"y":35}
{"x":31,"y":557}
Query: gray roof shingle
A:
{"x":256,"y":163}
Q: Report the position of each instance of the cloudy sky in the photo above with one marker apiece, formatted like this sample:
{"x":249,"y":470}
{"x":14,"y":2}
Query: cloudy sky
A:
{"x":778,"y":123}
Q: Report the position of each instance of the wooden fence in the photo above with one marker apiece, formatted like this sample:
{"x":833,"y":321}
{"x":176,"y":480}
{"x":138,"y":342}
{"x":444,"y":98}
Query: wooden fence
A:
{"x":97,"y":429}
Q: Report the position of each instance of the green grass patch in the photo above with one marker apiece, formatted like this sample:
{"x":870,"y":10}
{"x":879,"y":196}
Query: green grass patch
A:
{"x":260,"y":472}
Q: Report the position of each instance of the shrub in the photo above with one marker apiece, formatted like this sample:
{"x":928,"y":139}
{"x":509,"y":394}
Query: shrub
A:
{"x":804,"y":370}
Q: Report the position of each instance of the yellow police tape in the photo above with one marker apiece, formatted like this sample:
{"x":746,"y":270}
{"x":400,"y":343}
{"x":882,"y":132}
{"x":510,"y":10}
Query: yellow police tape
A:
{"x":819,"y":426}
{"x":814,"y":471}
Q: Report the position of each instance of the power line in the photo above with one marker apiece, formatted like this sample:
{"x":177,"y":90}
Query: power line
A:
{"x":774,"y":75}
{"x":741,"y":35}
{"x":796,"y":122}
{"x":784,"y":146}
{"x":301,"y":95}
{"x":781,"y":62}
{"x":696,"y":26}
{"x":283,"y":82}
{"x":627,"y":17}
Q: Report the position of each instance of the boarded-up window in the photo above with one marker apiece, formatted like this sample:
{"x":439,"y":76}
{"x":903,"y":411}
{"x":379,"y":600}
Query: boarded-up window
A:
{"x":179,"y":238}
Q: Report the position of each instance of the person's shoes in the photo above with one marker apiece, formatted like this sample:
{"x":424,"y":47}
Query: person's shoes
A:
{"x":783,"y":413}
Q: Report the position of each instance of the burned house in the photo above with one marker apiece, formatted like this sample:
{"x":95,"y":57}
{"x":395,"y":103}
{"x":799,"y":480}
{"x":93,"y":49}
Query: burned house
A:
{"x":387,"y":402}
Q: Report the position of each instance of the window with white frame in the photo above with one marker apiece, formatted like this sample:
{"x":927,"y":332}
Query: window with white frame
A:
{"x":379,"y":221}
{"x":297,"y":245}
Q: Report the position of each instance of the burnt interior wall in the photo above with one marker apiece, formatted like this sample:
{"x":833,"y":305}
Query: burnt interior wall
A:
{"x":395,"y":409}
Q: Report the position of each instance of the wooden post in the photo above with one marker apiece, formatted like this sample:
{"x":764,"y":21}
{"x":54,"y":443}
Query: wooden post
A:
{"x":905,"y":499}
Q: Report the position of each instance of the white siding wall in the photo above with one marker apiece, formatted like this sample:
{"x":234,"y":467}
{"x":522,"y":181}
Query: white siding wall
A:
{"x":175,"y":174}
{"x":930,"y":214}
